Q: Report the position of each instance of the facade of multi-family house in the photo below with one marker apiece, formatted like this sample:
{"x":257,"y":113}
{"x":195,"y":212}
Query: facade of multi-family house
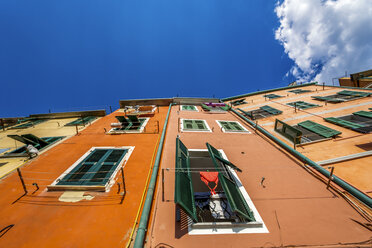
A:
{"x":286,"y":167}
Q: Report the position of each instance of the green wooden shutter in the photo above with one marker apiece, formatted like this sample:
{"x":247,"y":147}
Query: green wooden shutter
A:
{"x":363,"y":114}
{"x":231,"y":126}
{"x":288,"y":131}
{"x":232,"y":192}
{"x":184,"y":193}
{"x":343,"y":123}
{"x":353,"y":93}
{"x":95,"y":169}
{"x":217,"y":155}
{"x":205,"y":107}
{"x":271,"y":110}
{"x":225,"y":108}
{"x":319,"y":129}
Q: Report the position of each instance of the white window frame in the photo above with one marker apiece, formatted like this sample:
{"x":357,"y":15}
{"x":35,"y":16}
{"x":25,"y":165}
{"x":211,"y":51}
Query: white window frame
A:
{"x":109,"y":183}
{"x":209,"y":130}
{"x":142,"y":128}
{"x":246,"y":131}
{"x":196,"y":108}
{"x":257,"y":226}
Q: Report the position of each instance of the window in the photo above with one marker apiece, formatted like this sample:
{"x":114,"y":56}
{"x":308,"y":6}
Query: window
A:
{"x":262,"y":112}
{"x":28,"y":124}
{"x":128,"y":124}
{"x":272,"y":96}
{"x":232,"y":127}
{"x":227,"y":205}
{"x":299,"y":91}
{"x":143,"y":110}
{"x":30,"y":139}
{"x":359,"y":121}
{"x":305,"y":132}
{"x":238,"y":102}
{"x":342,"y":96}
{"x":188,"y":108}
{"x":81,"y":121}
{"x":302,"y":105}
{"x":194,"y":126}
{"x":94,"y":170}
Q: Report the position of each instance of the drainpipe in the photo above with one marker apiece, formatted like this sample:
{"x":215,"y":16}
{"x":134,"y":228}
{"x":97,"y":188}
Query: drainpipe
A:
{"x":142,"y":227}
{"x":349,"y":188}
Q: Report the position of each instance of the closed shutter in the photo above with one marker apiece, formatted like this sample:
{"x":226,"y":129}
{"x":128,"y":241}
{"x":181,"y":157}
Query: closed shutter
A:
{"x":194,"y":125}
{"x":319,"y":129}
{"x":363,"y":114}
{"x":231,"y":126}
{"x":184,"y":193}
{"x":232,"y":192}
{"x":343,"y":123}
{"x":271,"y":110}
{"x":95,"y":169}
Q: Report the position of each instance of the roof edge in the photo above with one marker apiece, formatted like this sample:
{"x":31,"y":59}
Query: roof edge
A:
{"x":100,"y":112}
{"x":268,"y":91}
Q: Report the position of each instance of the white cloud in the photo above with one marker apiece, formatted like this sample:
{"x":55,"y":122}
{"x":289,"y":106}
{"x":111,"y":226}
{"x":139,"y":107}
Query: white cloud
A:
{"x":325,"y":38}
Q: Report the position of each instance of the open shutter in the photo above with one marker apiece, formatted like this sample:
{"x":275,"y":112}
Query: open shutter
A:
{"x":205,"y":107}
{"x":35,"y":139}
{"x":363,"y":114}
{"x":22,"y":139}
{"x":232,"y":192}
{"x":319,"y":129}
{"x":215,"y":154}
{"x":343,"y":123}
{"x":271,"y":110}
{"x":184,"y":193}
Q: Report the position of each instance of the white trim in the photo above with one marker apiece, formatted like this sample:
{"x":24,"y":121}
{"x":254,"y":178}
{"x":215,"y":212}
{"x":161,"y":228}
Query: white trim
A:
{"x":196,"y":108}
{"x":111,"y":181}
{"x":226,"y":131}
{"x":256,"y":227}
{"x":113,"y":131}
{"x":198,"y":131}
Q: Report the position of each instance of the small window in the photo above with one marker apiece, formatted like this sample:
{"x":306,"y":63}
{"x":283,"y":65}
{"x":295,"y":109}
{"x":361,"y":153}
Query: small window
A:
{"x":128,"y":124}
{"x":30,"y":139}
{"x":342,"y":96}
{"x":215,"y":107}
{"x":82,"y":121}
{"x":94,"y":170}
{"x":272,"y":96}
{"x":238,"y":102}
{"x":194,"y":126}
{"x":302,"y":105}
{"x":232,"y":127}
{"x":188,"y":108}
{"x":355,"y":122}
{"x":28,"y":124}
{"x":262,"y":112}
{"x":305,"y":132}
{"x":299,"y":91}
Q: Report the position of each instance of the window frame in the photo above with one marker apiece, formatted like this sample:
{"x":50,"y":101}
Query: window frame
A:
{"x":215,"y":228}
{"x":246,"y":131}
{"x":106,"y":188}
{"x":140,"y":130}
{"x":208,"y":130}
{"x":195,"y":108}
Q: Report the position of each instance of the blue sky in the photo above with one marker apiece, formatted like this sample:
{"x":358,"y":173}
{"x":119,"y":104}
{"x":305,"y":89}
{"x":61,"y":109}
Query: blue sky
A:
{"x":77,"y":55}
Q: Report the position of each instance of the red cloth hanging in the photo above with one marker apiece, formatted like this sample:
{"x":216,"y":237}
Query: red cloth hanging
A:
{"x":208,"y":177}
